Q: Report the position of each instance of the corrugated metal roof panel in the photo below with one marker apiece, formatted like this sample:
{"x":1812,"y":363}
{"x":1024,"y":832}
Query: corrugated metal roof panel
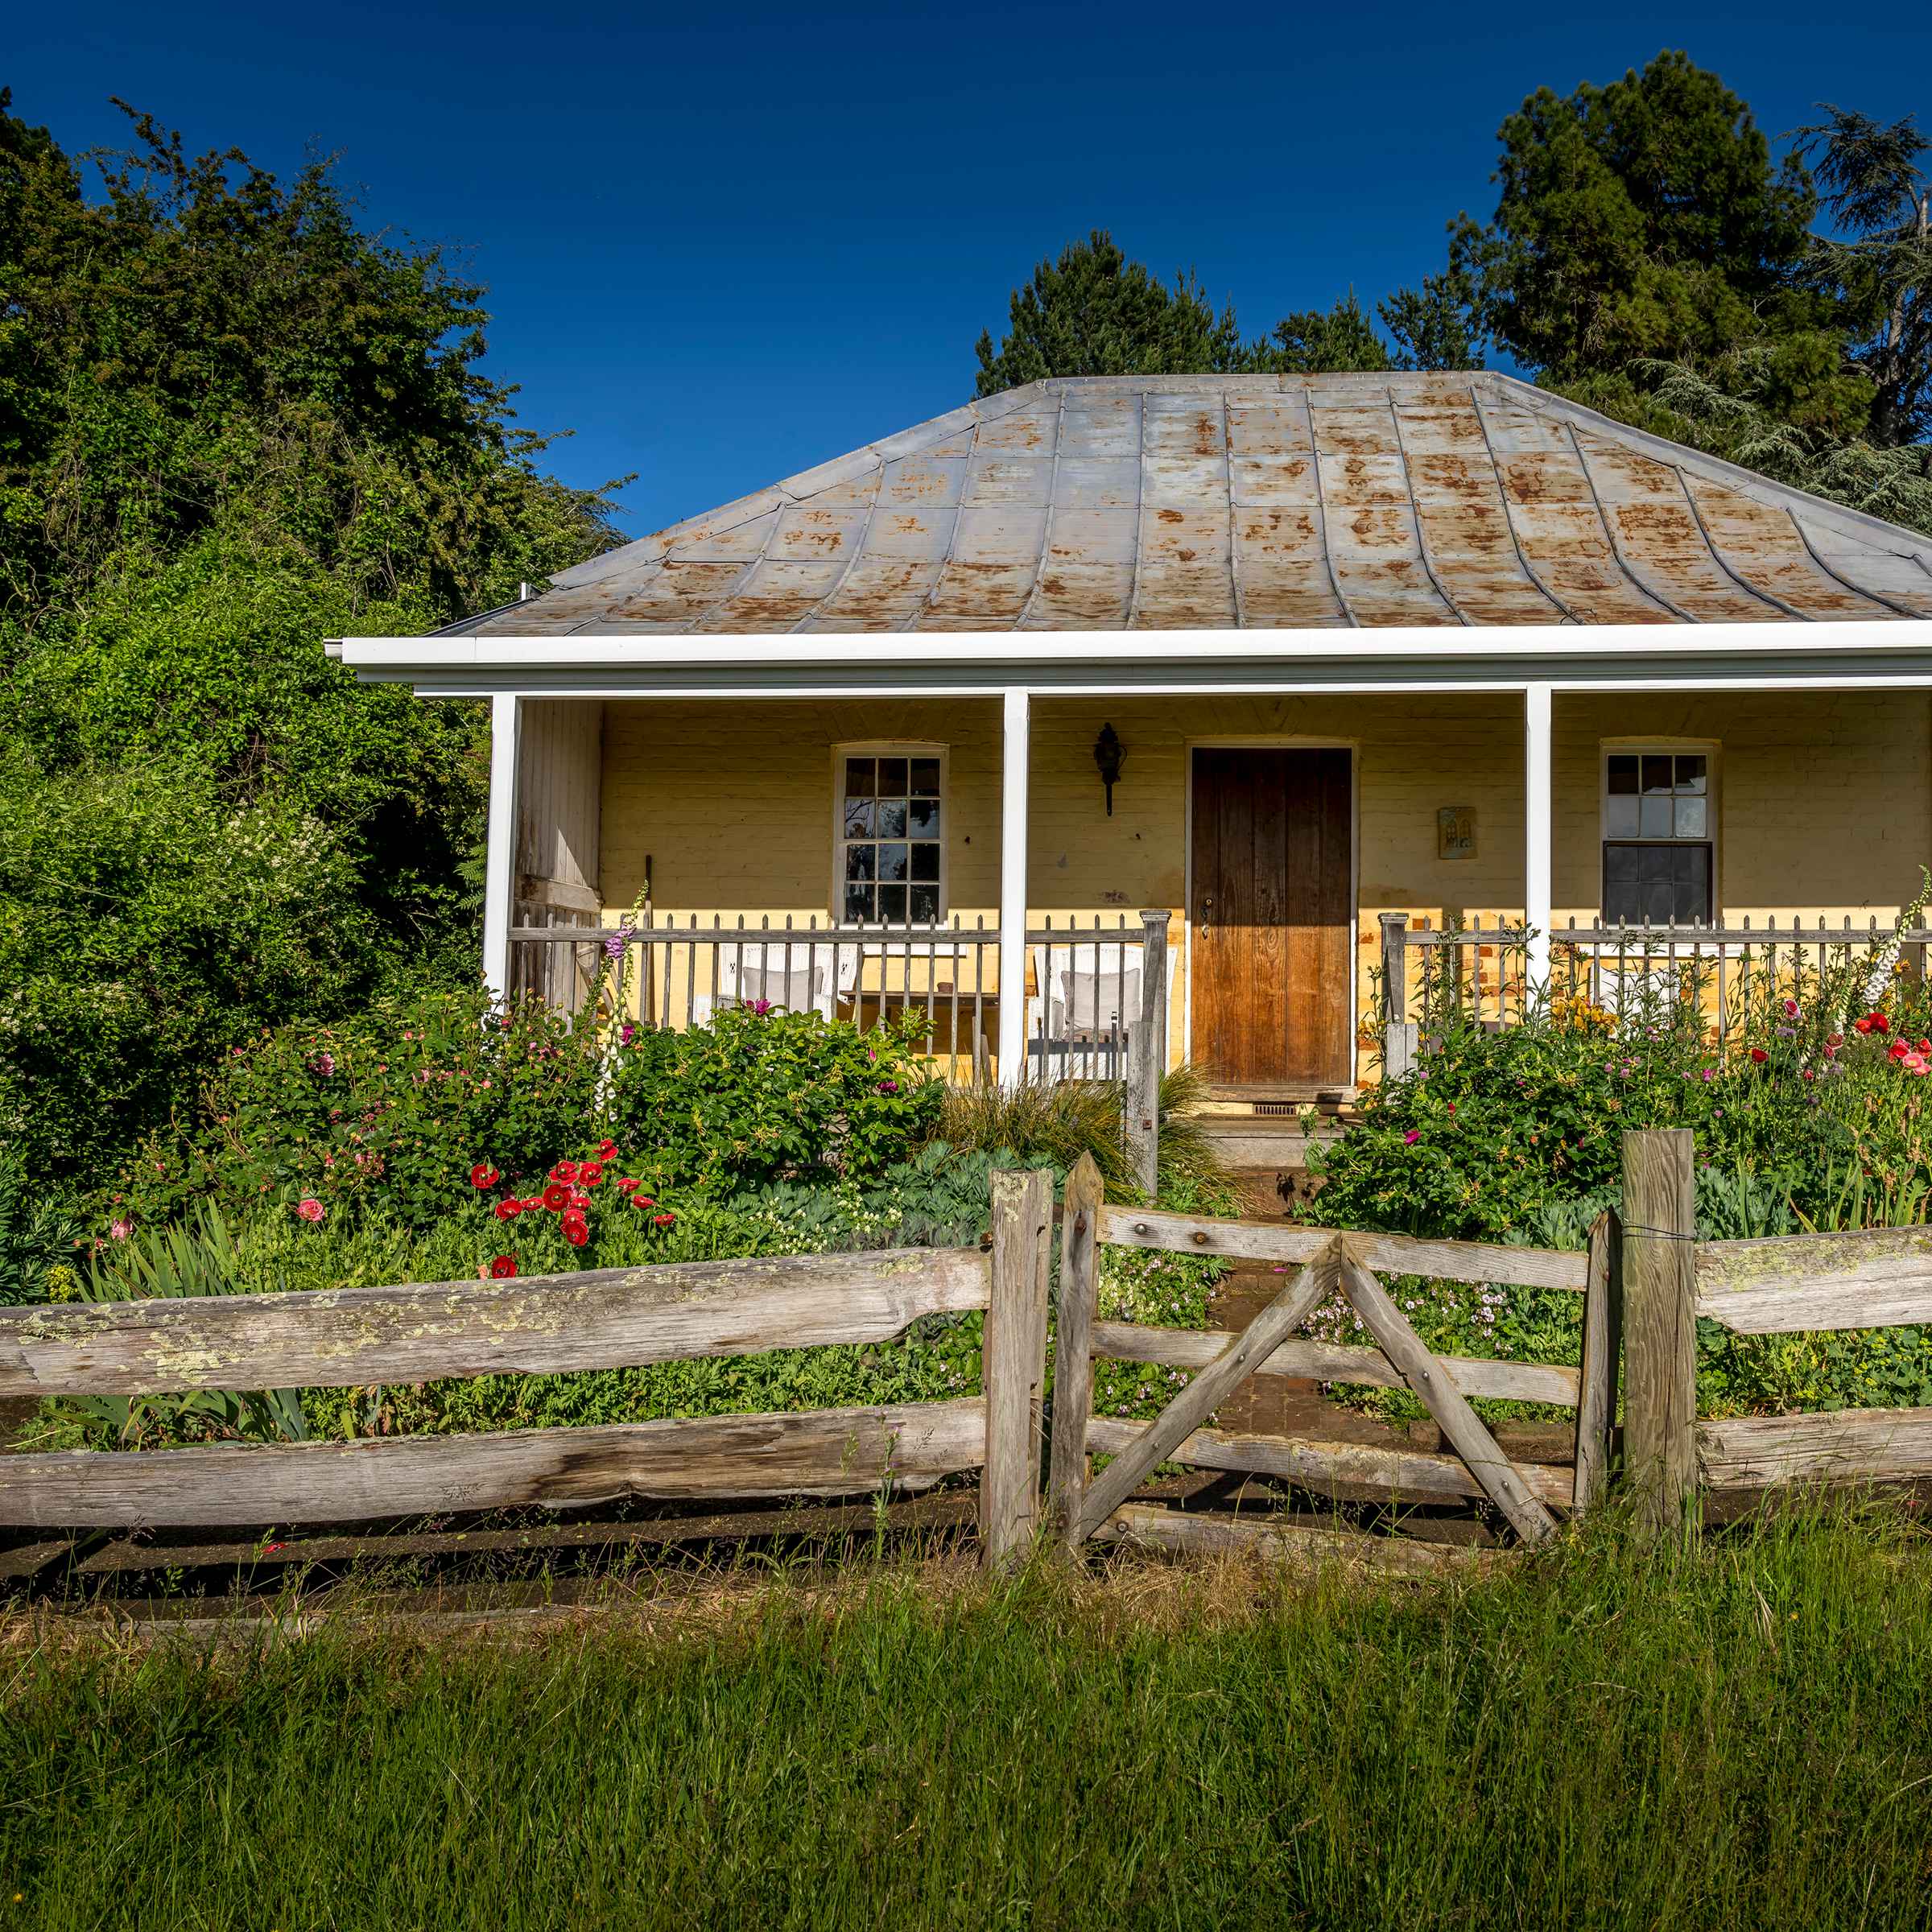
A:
{"x":1191,"y":502}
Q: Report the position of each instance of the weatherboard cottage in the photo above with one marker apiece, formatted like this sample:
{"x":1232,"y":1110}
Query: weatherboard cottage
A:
{"x":1220,"y":701}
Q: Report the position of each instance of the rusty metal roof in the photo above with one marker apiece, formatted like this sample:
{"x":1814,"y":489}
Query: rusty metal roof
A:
{"x":1225,"y":502}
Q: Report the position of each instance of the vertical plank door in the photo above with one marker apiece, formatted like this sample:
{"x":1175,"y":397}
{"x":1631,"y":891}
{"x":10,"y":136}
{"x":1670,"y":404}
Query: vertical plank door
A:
{"x":1272,"y":917}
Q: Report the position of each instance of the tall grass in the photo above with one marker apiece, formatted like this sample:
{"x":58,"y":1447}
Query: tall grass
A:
{"x":1058,"y":1121}
{"x":1737,"y":1738}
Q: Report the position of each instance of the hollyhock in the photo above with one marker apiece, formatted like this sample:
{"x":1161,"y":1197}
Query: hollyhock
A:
{"x":310,"y":1209}
{"x":483,"y":1175}
{"x":503,"y":1267}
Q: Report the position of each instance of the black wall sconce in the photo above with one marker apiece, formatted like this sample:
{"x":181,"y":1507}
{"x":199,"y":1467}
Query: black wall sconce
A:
{"x":1110,"y":754}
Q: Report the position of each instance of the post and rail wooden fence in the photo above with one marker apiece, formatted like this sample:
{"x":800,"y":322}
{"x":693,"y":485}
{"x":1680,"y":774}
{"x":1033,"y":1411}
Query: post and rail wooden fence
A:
{"x":1642,"y":1285}
{"x":598,"y":1318}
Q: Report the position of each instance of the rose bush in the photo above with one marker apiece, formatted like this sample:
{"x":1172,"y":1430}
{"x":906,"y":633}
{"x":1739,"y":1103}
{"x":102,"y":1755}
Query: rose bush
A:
{"x":414,"y":1109}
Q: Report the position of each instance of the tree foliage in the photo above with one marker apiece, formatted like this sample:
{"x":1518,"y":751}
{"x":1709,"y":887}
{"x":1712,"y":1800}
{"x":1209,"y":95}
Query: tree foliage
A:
{"x":232,"y":423}
{"x":1092,"y":312}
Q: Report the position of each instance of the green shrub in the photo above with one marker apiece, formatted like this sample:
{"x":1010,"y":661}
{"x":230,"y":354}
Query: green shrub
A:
{"x":1806,"y":1119}
{"x":762,"y":1095}
{"x":396,"y":1104}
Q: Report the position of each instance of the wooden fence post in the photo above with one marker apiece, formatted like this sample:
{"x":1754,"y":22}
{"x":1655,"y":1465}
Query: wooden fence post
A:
{"x":1014,"y":1357}
{"x":1660,"y":1332}
{"x":1398,"y":1034}
{"x":1602,"y":1343}
{"x":1073,"y":1346}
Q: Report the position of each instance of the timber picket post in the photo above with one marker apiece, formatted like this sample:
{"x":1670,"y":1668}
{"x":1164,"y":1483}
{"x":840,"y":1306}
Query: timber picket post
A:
{"x":1141,"y":1117}
{"x":1398,"y":1032}
{"x":1014,"y":1356}
{"x":1075,"y":1311}
{"x":1660,"y":1326}
{"x":1603,"y":1349}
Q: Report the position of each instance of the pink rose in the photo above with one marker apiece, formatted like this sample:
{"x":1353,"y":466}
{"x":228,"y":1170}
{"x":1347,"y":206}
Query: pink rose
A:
{"x":1410,"y":1138}
{"x":310,"y":1209}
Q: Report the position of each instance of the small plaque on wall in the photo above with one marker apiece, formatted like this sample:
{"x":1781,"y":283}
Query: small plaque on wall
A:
{"x":1456,"y":832}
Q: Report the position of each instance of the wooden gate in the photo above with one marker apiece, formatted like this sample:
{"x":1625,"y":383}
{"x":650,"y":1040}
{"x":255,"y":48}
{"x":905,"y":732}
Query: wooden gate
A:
{"x":1525,"y":1494}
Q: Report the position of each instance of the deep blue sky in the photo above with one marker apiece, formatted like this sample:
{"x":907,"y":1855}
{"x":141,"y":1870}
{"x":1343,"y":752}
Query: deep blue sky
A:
{"x":723,"y":244}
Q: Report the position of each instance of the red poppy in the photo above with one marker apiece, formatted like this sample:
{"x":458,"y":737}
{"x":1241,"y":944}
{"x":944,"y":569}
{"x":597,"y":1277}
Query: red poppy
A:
{"x":1880,"y":1023}
{"x":1759,"y":1054}
{"x":625,"y":1185}
{"x":483,"y":1175}
{"x":1925,"y":1046}
{"x":576,"y":1231}
{"x":1809,"y":1075}
{"x":503,"y":1267}
{"x":607,"y":1150}
{"x":1898,"y":1050}
{"x":533,"y":1204}
{"x":508,"y":1210}
{"x":643,"y":1200}
{"x":557,"y":1197}
{"x":662,"y":1220}
{"x":1864,"y":1025}
{"x":590,"y":1174}
{"x":579,"y":1201}
{"x":564,"y":1170}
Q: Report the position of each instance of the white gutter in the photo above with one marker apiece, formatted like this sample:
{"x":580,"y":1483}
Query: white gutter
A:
{"x":959,"y":663}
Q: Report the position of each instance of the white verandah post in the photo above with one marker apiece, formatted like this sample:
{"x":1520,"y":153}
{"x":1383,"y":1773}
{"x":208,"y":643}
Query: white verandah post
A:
{"x":1537,"y":837}
{"x":1014,"y":753}
{"x":499,"y":882}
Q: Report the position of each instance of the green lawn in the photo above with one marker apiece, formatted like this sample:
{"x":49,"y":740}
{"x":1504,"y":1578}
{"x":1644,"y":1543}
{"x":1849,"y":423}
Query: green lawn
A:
{"x":1739,"y":1738}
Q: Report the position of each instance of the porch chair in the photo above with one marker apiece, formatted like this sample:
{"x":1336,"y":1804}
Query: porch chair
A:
{"x":816,"y":979}
{"x":1089,"y":994}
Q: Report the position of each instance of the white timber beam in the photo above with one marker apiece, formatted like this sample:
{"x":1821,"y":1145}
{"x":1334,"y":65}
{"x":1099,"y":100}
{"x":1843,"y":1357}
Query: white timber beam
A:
{"x":1537,"y":896}
{"x":1015,"y":751}
{"x":499,"y":873}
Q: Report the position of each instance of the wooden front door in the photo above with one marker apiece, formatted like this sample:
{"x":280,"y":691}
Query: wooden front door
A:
{"x":1272,"y":918}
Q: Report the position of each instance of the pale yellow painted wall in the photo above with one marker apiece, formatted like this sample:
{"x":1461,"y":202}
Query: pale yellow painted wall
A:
{"x":1825,"y":801}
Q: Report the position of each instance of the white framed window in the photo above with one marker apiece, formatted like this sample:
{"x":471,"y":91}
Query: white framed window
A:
{"x":1659,"y":835}
{"x":889,"y":836}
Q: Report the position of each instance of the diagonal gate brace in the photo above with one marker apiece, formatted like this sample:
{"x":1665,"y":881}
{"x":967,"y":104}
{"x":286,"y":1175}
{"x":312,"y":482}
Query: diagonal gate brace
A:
{"x":1210,"y":1388}
{"x":1472,"y":1441}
